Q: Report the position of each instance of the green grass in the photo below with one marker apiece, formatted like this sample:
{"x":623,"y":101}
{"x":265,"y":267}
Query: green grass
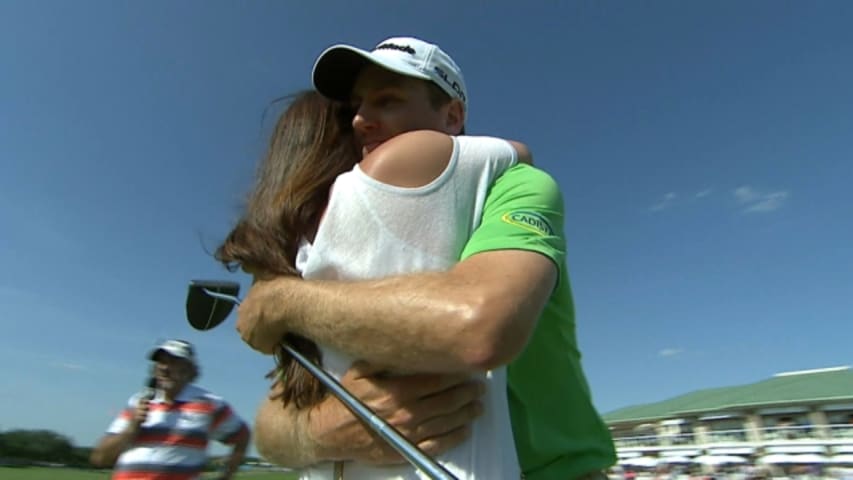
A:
{"x":38,"y":473}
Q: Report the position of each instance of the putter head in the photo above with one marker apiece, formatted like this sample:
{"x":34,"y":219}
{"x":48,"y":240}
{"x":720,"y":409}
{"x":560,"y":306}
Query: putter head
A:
{"x":205,"y":312}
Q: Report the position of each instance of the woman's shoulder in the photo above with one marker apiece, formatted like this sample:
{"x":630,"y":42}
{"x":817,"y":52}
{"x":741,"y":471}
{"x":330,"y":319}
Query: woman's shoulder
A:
{"x":416,"y":158}
{"x":411,"y":159}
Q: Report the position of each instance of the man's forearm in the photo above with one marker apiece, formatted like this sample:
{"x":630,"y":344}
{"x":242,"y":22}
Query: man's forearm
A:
{"x":237,"y":454}
{"x":476,"y":316}
{"x":432,"y":411}
{"x":418,"y":323}
{"x":281,"y":435}
{"x":110,"y":447}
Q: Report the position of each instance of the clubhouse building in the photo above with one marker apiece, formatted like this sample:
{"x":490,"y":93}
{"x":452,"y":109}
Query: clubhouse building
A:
{"x":793,"y":418}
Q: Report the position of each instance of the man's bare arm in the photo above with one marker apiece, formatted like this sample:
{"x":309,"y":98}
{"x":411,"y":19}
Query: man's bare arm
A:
{"x":524,"y":154}
{"x":108,"y":449}
{"x":476,"y":316}
{"x":238,"y":452}
{"x":434,"y":411}
{"x":281,"y":435}
{"x":111,"y":446}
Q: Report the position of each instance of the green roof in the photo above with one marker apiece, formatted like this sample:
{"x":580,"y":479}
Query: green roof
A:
{"x":828,"y":385}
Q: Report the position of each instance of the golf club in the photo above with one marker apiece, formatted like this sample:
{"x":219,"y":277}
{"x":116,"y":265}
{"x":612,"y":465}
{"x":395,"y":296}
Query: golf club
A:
{"x":209,"y":302}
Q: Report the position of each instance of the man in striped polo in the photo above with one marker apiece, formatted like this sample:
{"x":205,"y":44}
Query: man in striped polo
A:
{"x":163,"y":433}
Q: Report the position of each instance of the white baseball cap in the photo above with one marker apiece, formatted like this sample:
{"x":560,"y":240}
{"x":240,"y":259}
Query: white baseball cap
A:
{"x":336,"y":69}
{"x":175,"y":348}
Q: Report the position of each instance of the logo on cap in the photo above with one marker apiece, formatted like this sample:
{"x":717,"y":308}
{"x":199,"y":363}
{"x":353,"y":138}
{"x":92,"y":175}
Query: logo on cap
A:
{"x":454,"y":85}
{"x":394,"y":46}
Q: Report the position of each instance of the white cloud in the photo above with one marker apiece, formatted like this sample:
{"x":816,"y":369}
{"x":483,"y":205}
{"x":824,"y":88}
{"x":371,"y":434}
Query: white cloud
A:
{"x":754,"y":201}
{"x":770,"y":202}
{"x":745,"y":194}
{"x":665,"y":202}
{"x":670,"y":352}
{"x":747,"y":198}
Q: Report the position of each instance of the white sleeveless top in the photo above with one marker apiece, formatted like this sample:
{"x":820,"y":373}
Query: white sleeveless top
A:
{"x":373,"y":230}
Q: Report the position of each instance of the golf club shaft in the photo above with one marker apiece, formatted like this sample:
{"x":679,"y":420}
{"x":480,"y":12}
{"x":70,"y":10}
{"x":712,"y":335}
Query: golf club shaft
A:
{"x":410,"y":452}
{"x":388,"y":433}
{"x":222,"y":296}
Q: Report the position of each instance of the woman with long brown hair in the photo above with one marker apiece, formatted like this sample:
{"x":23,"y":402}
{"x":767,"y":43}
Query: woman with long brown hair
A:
{"x":311,"y":145}
{"x":296,"y":224}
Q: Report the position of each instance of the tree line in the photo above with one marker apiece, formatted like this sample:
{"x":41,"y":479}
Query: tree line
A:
{"x":41,"y":446}
{"x":24,"y":447}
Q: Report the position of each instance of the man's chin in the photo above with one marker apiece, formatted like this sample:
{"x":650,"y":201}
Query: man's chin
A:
{"x":165,"y":383}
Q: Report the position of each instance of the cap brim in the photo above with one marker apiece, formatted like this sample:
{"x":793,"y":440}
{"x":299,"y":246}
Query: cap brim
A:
{"x":153,"y":354}
{"x":337,"y":69}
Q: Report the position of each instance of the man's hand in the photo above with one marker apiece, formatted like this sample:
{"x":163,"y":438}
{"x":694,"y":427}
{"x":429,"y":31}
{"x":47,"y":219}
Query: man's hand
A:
{"x":140,"y":413}
{"x":433,"y":411}
{"x":257,"y":325}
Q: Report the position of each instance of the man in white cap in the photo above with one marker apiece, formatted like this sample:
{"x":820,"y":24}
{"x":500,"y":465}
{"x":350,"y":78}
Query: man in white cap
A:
{"x":507,"y":301}
{"x":165,"y":429}
{"x":345,"y":73}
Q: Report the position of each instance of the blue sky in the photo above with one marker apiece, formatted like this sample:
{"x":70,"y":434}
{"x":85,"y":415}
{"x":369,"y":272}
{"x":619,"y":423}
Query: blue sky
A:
{"x":703,"y":148}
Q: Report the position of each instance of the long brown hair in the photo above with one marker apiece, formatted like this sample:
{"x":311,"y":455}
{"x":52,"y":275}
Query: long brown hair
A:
{"x":311,"y":145}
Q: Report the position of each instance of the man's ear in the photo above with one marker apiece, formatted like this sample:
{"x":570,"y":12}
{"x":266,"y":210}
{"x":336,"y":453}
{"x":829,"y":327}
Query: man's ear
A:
{"x":455,"y":117}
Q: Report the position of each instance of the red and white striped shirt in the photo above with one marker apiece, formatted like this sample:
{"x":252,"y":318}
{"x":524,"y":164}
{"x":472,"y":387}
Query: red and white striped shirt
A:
{"x":172,"y":442}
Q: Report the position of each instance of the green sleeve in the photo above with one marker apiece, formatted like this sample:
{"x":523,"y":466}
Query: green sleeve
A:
{"x":523,"y":211}
{"x":557,"y":431}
